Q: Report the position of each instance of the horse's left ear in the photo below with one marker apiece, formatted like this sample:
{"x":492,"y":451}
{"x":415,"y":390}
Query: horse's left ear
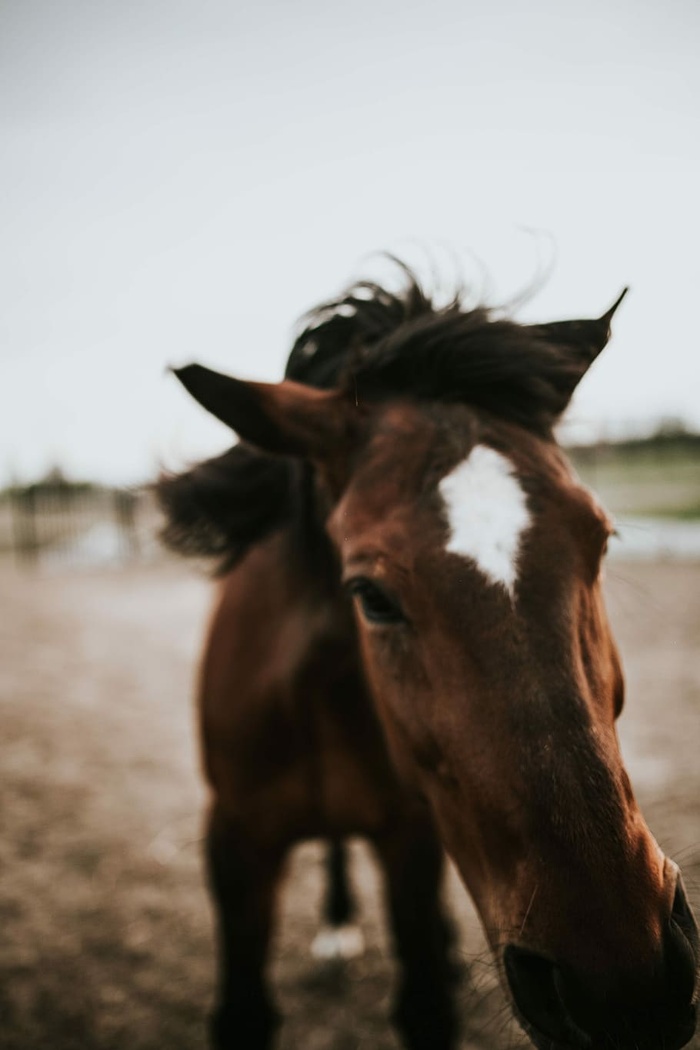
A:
{"x":286,"y":418}
{"x":581,"y":341}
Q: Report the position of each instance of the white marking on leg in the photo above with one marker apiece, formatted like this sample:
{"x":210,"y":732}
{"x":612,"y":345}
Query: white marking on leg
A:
{"x":487,"y":514}
{"x":338,"y":942}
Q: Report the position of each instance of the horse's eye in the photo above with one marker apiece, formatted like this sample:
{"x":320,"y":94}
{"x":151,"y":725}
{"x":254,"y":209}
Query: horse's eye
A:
{"x":377,"y":606}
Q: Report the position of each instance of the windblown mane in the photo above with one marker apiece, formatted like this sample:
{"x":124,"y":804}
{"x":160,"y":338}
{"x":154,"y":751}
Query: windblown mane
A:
{"x":378,"y":343}
{"x":336,"y":336}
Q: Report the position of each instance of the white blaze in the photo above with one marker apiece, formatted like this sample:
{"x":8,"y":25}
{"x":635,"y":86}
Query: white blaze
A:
{"x":487,"y":513}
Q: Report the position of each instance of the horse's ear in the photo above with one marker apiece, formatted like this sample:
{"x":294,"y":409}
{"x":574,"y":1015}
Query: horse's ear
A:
{"x":287,"y":418}
{"x":581,"y":342}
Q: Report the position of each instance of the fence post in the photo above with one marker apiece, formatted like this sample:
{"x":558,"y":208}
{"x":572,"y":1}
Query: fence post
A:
{"x":125,"y":515}
{"x":24,"y":533}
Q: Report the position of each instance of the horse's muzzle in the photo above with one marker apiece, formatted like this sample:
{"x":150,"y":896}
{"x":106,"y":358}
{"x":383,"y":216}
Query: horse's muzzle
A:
{"x":560,"y":1009}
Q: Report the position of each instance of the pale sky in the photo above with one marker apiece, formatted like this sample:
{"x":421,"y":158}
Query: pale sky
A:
{"x":180,"y":180}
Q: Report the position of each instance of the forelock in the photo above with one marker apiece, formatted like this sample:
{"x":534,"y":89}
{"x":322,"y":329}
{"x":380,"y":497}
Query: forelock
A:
{"x":380,"y":344}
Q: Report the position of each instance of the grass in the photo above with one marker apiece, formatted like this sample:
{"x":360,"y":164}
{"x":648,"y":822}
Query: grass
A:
{"x":643,"y":479}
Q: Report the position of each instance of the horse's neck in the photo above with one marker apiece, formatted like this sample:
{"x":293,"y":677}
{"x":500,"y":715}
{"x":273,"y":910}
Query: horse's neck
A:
{"x":312,"y":550}
{"x":309,"y":614}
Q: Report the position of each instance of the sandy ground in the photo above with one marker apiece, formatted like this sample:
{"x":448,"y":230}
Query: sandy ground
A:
{"x":105,"y":927}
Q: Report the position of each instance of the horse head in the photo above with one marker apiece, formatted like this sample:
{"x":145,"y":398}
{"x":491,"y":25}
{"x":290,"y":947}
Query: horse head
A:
{"x":473,"y":558}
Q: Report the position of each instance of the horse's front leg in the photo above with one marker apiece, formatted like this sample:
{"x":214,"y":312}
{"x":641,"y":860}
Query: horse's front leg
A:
{"x":243,"y":878}
{"x":413,"y":863}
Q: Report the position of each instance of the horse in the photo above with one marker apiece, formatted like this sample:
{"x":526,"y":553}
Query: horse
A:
{"x":410,"y":644}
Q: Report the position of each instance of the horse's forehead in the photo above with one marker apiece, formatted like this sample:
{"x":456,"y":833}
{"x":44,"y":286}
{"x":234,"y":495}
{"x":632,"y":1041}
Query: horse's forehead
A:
{"x":480,"y":498}
{"x":487,"y":513}
{"x":454,"y":482}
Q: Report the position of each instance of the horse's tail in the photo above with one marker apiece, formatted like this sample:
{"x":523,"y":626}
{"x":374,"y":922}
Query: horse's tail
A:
{"x":338,"y":938}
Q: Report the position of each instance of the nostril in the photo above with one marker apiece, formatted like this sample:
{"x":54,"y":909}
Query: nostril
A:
{"x":571,"y":1010}
{"x":682,"y":948}
{"x":534,"y":983}
{"x":682,"y":915}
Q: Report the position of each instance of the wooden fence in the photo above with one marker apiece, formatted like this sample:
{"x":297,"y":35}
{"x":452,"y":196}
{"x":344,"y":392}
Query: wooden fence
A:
{"x":71,"y":524}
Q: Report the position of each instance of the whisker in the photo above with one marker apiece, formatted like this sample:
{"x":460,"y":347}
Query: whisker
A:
{"x":528,"y":910}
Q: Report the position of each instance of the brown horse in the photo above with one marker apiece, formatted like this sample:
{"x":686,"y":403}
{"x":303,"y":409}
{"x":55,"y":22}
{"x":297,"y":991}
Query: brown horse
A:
{"x":410,"y":644}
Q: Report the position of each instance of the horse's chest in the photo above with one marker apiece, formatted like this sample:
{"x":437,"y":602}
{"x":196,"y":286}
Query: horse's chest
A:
{"x":290,"y":736}
{"x":354,"y":789}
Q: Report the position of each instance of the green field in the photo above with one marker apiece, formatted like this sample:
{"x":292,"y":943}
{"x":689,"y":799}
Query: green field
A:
{"x":655,"y":478}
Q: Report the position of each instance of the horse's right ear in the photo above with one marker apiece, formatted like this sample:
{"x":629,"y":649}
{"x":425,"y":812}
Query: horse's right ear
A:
{"x":287,"y":418}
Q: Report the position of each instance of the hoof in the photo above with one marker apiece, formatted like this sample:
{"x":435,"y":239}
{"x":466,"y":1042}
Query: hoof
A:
{"x":338,"y":942}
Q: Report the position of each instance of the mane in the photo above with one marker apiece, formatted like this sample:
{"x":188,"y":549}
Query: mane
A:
{"x":222,"y":506}
{"x":336,"y":335}
{"x":376,"y":344}
{"x":381,"y":344}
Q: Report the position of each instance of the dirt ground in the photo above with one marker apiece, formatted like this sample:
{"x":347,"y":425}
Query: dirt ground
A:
{"x":105,"y":927}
